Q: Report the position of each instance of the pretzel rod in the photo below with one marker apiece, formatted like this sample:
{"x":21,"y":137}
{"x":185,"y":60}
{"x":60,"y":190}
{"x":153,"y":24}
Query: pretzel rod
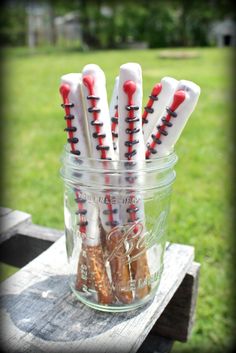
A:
{"x":164,"y":136}
{"x":158,"y":100}
{"x":68,"y":83}
{"x":87,"y":213}
{"x":114,"y":117}
{"x":130,"y":123}
{"x":94,"y":90}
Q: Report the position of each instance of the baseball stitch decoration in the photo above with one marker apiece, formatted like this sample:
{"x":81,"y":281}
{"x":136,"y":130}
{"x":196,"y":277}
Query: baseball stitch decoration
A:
{"x":65,"y":89}
{"x":179,"y":97}
{"x":91,"y":257}
{"x":158,"y":101}
{"x":170,"y":126}
{"x":152,"y":98}
{"x":132,"y":150}
{"x":76,"y":138}
{"x":94,"y":89}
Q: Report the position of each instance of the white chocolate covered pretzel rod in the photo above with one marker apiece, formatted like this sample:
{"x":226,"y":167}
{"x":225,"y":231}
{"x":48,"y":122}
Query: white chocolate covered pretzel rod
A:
{"x":95,"y":97}
{"x":76,"y":130}
{"x":168,"y":129}
{"x":91,"y":270}
{"x":131,"y":148}
{"x":158,"y":101}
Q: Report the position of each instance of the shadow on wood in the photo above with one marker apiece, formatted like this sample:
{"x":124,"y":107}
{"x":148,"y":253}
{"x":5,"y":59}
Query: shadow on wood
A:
{"x":177,"y":320}
{"x":41,"y":315}
{"x":19,"y":250}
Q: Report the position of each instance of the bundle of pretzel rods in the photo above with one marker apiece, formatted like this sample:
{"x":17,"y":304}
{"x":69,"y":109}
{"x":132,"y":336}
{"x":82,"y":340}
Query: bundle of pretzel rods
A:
{"x":119,"y":131}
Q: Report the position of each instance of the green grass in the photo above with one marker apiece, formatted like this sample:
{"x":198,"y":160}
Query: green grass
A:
{"x":6,"y":271}
{"x":201,"y":211}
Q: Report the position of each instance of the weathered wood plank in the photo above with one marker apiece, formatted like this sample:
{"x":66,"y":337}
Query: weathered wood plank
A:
{"x":177,"y":320}
{"x":41,"y":315}
{"x":10,"y":222}
{"x":39,"y":232}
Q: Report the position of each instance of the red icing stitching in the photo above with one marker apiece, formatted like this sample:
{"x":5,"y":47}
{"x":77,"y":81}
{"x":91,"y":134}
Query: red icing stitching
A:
{"x":129,"y":88}
{"x":178,"y":99}
{"x":155,"y":93}
{"x":88,"y":81}
{"x":64,"y":91}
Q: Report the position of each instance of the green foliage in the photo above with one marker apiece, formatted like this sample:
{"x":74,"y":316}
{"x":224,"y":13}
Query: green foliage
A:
{"x":201,"y":209}
{"x":6,"y":271}
{"x":13,"y":24}
{"x":158,"y":23}
{"x":162,"y":25}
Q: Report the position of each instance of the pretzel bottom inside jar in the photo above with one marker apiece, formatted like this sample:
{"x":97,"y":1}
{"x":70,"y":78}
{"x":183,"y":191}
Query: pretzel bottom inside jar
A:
{"x":120,"y":269}
{"x":140,"y":272}
{"x":97,"y":277}
{"x":83,"y":277}
{"x":139,"y":267}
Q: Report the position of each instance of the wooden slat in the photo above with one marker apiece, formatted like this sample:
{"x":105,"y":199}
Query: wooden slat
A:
{"x":10,"y":221}
{"x":41,"y":315}
{"x":39,"y":232}
{"x":177,"y":320}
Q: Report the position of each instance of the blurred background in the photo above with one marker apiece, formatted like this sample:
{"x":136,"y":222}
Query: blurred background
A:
{"x":193,"y":40}
{"x":90,"y":24}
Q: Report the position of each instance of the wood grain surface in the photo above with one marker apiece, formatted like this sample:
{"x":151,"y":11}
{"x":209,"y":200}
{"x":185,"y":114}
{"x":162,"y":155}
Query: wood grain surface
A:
{"x":40,"y":314}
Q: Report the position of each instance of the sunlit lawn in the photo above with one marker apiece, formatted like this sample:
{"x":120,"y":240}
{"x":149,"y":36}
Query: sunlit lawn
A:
{"x":200,"y":213}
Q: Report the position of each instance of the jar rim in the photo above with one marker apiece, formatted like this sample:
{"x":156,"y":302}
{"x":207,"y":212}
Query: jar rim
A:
{"x":84,"y":163}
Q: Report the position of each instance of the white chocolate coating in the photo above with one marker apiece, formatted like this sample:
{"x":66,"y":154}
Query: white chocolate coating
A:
{"x":113,"y":104}
{"x":104,"y":116}
{"x":99,"y":90}
{"x":184,"y":112}
{"x":130,"y":72}
{"x":169,"y":85}
{"x":92,"y":236}
{"x":75,"y":97}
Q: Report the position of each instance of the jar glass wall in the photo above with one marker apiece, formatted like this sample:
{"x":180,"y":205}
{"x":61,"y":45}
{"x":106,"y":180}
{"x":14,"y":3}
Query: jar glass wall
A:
{"x":116,"y":216}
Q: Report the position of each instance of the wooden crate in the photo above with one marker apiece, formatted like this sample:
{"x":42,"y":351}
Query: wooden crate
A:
{"x":40,"y":314}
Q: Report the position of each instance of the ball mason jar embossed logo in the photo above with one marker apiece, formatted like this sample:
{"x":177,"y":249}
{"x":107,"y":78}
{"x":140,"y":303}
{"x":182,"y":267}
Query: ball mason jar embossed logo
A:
{"x":135,"y":239}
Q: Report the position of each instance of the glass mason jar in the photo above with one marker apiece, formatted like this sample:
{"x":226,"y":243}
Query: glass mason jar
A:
{"x":115,"y":225}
